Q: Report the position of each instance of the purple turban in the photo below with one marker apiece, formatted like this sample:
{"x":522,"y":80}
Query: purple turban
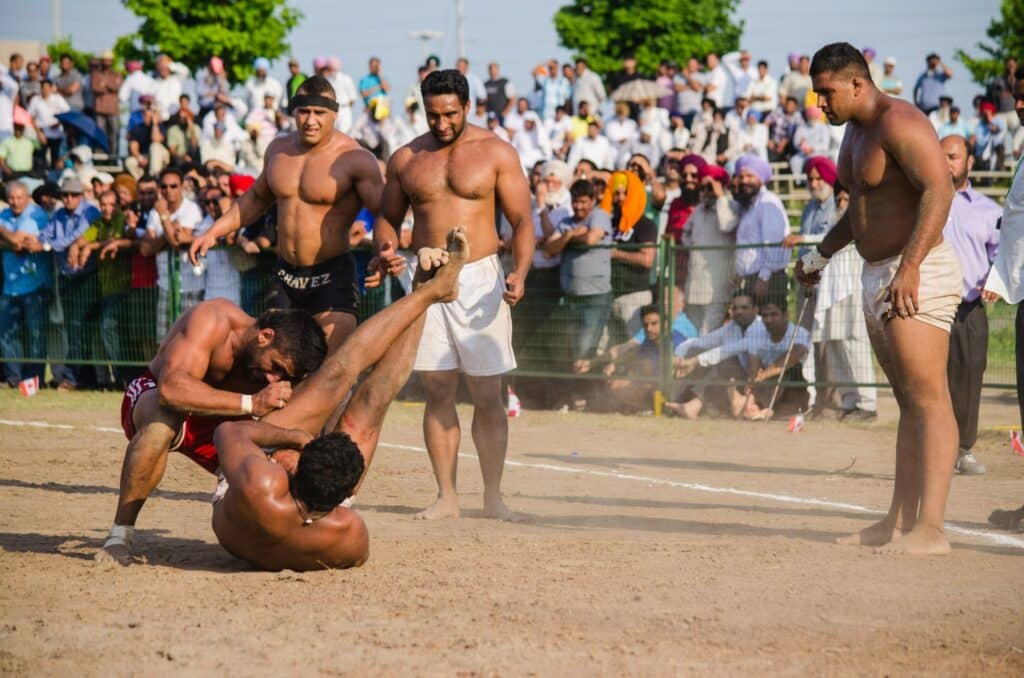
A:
{"x":693,"y":159}
{"x":826,"y":168}
{"x":756,"y":165}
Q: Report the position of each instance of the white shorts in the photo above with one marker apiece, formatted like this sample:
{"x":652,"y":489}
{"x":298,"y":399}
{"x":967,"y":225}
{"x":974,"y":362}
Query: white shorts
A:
{"x":472,"y":334}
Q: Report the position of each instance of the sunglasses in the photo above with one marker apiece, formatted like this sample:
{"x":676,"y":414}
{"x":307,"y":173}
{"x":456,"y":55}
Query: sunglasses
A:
{"x":690,"y":175}
{"x":68,"y":195}
{"x":211,"y":201}
{"x":170,"y":186}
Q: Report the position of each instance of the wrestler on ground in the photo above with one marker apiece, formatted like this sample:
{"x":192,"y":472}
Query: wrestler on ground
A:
{"x":900,"y":194}
{"x":216,"y":363}
{"x":288,"y":512}
{"x":457,"y":175}
{"x":319,"y":179}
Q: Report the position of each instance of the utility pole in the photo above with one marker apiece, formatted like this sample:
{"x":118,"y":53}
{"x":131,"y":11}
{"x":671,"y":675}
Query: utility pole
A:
{"x":55,"y":4}
{"x":460,"y":29}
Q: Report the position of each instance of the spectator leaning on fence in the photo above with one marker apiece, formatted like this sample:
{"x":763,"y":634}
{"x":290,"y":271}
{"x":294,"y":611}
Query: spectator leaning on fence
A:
{"x":28,"y":275}
{"x":709,"y":280}
{"x":973,"y":231}
{"x":633,"y":257}
{"x":760,"y":270}
{"x":638,"y":359}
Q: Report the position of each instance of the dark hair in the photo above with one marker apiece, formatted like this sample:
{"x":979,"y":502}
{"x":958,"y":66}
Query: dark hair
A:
{"x":316,"y":85}
{"x":447,"y":81}
{"x":762,"y":62}
{"x":46,"y":81}
{"x":64,"y":55}
{"x":329,"y":469}
{"x":1019,"y":74}
{"x":171,"y":170}
{"x":146,"y":179}
{"x":744,"y":292}
{"x":837,"y":57}
{"x":648,"y":309}
{"x":589,"y":162}
{"x":777,"y":300}
{"x":297,"y":335}
{"x":581,"y":188}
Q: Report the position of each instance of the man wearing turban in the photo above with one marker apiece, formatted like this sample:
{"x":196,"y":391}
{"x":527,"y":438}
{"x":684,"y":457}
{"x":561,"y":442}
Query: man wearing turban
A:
{"x":761,"y":270}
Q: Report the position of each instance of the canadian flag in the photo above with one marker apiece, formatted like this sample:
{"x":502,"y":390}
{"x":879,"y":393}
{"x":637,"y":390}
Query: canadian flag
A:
{"x":796,"y":423}
{"x":1017,"y":442}
{"x":29,"y":387}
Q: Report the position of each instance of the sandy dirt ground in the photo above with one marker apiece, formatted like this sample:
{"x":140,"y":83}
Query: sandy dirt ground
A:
{"x":647,"y":547}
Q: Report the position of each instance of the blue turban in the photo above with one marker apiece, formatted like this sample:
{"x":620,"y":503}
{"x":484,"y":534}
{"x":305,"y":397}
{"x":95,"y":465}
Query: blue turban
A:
{"x":756,"y":165}
{"x":261,"y":63}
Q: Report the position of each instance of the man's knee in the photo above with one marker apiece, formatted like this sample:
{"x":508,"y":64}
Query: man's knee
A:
{"x":155,"y":424}
{"x":486,"y":393}
{"x":440,"y":387}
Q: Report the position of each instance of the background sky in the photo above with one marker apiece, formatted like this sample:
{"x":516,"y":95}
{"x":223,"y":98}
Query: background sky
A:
{"x":520,"y":35}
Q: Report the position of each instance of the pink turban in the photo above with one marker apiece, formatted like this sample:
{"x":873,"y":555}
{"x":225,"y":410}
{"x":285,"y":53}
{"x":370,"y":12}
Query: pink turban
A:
{"x":825,"y":167}
{"x":716,"y":172}
{"x":319,"y":62}
{"x":216,"y":65}
{"x":756,"y":165}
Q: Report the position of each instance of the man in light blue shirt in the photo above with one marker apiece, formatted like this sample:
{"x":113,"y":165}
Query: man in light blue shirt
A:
{"x":956,"y":126}
{"x":28,"y":275}
{"x":931,"y":84}
{"x":373,"y":85}
{"x":554,"y":91}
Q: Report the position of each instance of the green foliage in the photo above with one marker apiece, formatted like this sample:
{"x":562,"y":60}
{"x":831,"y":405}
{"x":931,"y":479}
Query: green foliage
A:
{"x":64,"y":46}
{"x":1007,"y":35}
{"x":191,"y":32}
{"x":602,"y":31}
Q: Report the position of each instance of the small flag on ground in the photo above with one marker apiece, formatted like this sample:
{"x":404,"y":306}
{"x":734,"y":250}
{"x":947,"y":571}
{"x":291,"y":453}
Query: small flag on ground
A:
{"x":515,"y":408}
{"x":1017,"y":442}
{"x":29,"y":387}
{"x":796,"y":423}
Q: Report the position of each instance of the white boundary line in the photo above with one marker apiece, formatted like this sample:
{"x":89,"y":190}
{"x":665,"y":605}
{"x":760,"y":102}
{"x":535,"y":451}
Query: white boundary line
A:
{"x":993,"y":537}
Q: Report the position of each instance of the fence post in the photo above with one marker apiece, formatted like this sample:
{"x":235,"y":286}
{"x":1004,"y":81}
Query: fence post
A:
{"x":666,"y":277}
{"x":174,"y":293}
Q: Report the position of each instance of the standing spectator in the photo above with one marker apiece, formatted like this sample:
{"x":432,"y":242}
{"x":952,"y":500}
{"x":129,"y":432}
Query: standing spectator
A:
{"x":633,"y":257}
{"x":762,"y":270}
{"x":147,"y":153}
{"x":114,"y":273}
{"x":870,"y":53}
{"x":666,"y":78}
{"x":106,"y":83}
{"x":890,"y":82}
{"x":812,"y":138}
{"x":594,"y":147}
{"x":295,"y":78}
{"x":797,"y":84}
{"x":973,"y":231}
{"x":689,"y":87}
{"x":500,"y":92}
{"x":31,"y":84}
{"x":783,"y":123}
{"x":78,"y":287}
{"x":8,"y":97}
{"x":373,"y":85}
{"x":1000,"y":92}
{"x":344,"y":91}
{"x":44,"y":110}
{"x":763,"y":91}
{"x":709,"y":275}
{"x":717,"y":82}
{"x":620,"y":78}
{"x":477,"y":91}
{"x":956,"y":125}
{"x":16,"y":66}
{"x":587,"y":87}
{"x":16,"y":153}
{"x":680,"y":208}
{"x":585,"y":273}
{"x":554,"y":89}
{"x":167,"y":83}
{"x":989,"y":139}
{"x":69,"y":83}
{"x":622,"y":131}
{"x":136,"y":85}
{"x":212,"y":86}
{"x":742,"y":73}
{"x":261,"y":84}
{"x":931,"y":84}
{"x":26,"y":281}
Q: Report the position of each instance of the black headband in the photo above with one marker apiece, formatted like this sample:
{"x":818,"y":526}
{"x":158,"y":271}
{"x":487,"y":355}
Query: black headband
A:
{"x":307,"y":100}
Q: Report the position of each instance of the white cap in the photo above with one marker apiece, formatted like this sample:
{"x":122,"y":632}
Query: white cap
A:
{"x":890,"y":61}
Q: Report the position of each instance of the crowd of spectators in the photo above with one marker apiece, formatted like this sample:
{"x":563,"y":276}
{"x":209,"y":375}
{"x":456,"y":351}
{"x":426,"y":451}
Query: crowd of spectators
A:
{"x":686,"y":156}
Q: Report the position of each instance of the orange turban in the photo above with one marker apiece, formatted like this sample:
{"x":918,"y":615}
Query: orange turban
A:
{"x":634,"y":204}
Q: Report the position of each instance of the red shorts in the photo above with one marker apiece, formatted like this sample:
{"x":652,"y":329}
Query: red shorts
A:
{"x":194,"y":440}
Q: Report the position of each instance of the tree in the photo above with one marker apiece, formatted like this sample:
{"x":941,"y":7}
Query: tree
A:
{"x":603,"y":31}
{"x":1007,"y":33}
{"x":191,"y":32}
{"x":63,"y":46}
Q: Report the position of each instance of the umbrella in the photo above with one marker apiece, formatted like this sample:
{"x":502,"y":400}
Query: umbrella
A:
{"x":86,"y":127}
{"x":640,"y":90}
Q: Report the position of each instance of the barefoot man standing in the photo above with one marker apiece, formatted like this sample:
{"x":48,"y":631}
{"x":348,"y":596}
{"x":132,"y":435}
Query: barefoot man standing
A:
{"x":456,"y":176}
{"x":900,"y":195}
{"x":320,"y":179}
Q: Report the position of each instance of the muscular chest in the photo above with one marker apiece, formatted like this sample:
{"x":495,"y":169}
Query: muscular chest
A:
{"x":437,"y":175}
{"x":310,"y":179}
{"x":862,"y":161}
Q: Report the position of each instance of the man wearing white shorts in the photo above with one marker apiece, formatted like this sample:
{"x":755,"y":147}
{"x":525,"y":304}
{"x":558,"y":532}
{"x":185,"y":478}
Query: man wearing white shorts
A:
{"x":456,"y":175}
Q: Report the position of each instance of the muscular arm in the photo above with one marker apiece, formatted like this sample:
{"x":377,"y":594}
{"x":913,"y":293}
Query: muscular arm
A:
{"x":238,"y":441}
{"x":513,"y":194}
{"x":392,"y":204}
{"x":839,"y":237}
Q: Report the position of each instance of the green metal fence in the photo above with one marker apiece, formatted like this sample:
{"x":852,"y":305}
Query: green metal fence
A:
{"x":88,"y":321}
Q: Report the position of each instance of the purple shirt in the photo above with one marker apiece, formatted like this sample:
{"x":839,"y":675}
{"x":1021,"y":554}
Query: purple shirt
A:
{"x":971,"y":231}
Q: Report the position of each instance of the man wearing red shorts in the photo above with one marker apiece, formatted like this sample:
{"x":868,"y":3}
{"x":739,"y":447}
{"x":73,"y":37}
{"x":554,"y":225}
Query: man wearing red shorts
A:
{"x":216,"y":363}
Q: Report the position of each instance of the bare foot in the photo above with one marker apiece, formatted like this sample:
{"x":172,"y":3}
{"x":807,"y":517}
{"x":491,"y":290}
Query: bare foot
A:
{"x":495,"y":508}
{"x":1007,"y":520}
{"x":115,"y":554}
{"x":879,"y":534}
{"x":444,"y":507}
{"x":688,"y":410}
{"x":920,"y":541}
{"x":446,"y":276}
{"x":737,"y":401}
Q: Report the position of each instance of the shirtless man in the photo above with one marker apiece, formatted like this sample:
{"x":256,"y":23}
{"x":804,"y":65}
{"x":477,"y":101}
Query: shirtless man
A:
{"x":900,"y":194}
{"x":320,"y":179}
{"x":458,"y":174}
{"x":288,"y":512}
{"x":216,"y":363}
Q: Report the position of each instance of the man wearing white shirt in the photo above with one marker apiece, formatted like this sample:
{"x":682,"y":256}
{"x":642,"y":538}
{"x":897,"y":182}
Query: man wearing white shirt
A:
{"x":717,"y":82}
{"x":135,"y":86}
{"x":622,"y":132}
{"x":221,"y":114}
{"x":345,"y":92}
{"x":813,"y":138}
{"x":587,"y":87}
{"x":44,"y":110}
{"x":741,"y":72}
{"x":777,"y":353}
{"x":594,"y":147}
{"x":763,"y":91}
{"x":8,"y":95}
{"x":260,"y":84}
{"x":218,"y":149}
{"x":762,"y":220}
{"x":167,"y":85}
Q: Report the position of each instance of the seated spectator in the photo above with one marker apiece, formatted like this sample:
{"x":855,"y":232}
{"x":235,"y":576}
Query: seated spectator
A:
{"x":709,"y":278}
{"x":810,"y":139}
{"x":891,"y":83}
{"x":622,"y":131}
{"x":16,"y":153}
{"x":752,"y":137}
{"x":782,"y":124}
{"x":716,"y":143}
{"x":681,"y":324}
{"x":640,"y":359}
{"x":221,"y":277}
{"x":720,"y":355}
{"x":261,"y":85}
{"x":218,"y":151}
{"x":633,"y":257}
{"x":183,"y":134}
{"x":678,"y":131}
{"x":762,"y":270}
{"x":228,"y":115}
{"x":940,"y":116}
{"x":27,"y":278}
{"x":989,"y":139}
{"x":768,"y":361}
{"x":147,"y":153}
{"x":532,"y":141}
